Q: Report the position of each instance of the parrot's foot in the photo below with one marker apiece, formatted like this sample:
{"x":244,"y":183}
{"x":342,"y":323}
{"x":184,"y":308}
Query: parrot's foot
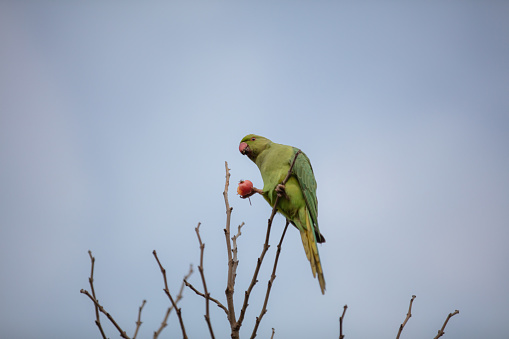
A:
{"x":280,"y":191}
{"x":254,"y":190}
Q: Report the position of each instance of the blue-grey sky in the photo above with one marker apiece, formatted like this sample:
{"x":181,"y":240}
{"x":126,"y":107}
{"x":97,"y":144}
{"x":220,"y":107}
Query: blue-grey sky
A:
{"x":116,"y":120}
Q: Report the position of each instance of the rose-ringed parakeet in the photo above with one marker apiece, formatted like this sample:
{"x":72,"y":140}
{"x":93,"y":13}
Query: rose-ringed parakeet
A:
{"x":297,"y":200}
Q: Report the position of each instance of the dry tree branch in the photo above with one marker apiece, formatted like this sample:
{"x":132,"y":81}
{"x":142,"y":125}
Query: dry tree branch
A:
{"x":98,"y":307}
{"x":341,"y":335}
{"x":257,"y":269}
{"x":123,"y":334}
{"x":271,"y":281}
{"x":230,"y":285}
{"x":409,"y":314}
{"x":264,"y":250}
{"x":164,"y":323}
{"x":273,"y":332}
{"x":138,"y":322}
{"x":441,"y":331}
{"x":207,"y":294}
{"x":217,"y":302}
{"x":91,"y":281}
{"x":233,"y":262}
{"x":167,"y":291}
{"x":235,"y":251}
{"x":231,"y":273}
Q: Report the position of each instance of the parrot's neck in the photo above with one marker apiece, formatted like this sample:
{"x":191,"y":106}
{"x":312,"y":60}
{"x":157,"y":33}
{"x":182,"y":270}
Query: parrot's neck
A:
{"x":260,"y":158}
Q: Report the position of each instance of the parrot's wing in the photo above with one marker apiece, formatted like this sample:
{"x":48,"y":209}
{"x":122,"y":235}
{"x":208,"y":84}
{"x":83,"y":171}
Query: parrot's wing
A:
{"x":304,"y":173}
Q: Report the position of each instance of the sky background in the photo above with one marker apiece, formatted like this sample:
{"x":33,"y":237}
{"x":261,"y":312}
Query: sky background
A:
{"x":116,"y":120}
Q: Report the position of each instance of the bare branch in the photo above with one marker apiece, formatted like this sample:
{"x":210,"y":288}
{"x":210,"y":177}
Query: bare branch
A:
{"x":341,"y":335}
{"x":271,"y":281}
{"x":230,"y":285}
{"x":164,"y":323}
{"x":202,"y":274}
{"x":257,"y":269}
{"x":217,"y":302}
{"x":441,"y":331}
{"x":264,"y":250}
{"x":409,"y":314}
{"x":123,"y":334}
{"x":273,"y":332}
{"x":91,"y":281}
{"x":138,"y":322}
{"x":167,"y":291}
{"x":234,"y":252}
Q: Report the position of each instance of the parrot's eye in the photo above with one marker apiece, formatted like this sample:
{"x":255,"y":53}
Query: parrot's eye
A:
{"x":253,"y":139}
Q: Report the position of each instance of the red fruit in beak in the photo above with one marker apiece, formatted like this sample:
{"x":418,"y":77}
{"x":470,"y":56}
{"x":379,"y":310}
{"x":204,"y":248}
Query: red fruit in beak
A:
{"x":242,"y":147}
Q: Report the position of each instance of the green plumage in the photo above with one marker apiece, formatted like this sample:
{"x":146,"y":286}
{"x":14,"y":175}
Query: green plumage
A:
{"x":300,"y":205}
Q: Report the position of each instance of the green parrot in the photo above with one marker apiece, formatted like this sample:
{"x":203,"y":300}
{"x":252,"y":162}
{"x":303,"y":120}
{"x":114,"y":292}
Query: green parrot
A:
{"x":297,"y":202}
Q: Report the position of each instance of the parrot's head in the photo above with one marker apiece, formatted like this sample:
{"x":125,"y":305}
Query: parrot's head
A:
{"x":252,"y":145}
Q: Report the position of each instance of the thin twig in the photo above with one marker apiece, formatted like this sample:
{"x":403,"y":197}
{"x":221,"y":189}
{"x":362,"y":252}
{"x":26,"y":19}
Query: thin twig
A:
{"x":341,"y":335}
{"x":273,"y":332}
{"x":167,"y":291}
{"x":202,"y":274}
{"x":235,"y":251}
{"x":123,"y":334}
{"x":164,"y":323}
{"x":217,"y":302}
{"x":138,"y":322}
{"x":441,"y":331}
{"x":409,"y":314}
{"x":269,"y":284}
{"x":91,"y":281}
{"x":257,"y":269}
{"x":230,"y":285}
{"x":264,"y":250}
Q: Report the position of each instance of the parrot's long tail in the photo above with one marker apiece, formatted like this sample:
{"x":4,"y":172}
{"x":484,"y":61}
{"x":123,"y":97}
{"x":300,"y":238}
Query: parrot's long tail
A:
{"x":309,"y":242}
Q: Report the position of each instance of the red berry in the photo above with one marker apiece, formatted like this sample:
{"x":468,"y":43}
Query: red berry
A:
{"x":245,"y":187}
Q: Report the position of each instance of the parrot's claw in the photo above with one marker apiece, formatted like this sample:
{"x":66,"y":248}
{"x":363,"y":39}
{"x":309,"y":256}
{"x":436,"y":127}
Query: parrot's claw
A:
{"x":280,"y":191}
{"x":254,"y":190}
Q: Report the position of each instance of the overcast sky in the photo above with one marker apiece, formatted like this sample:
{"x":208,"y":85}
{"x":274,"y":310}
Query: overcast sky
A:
{"x":116,"y":120}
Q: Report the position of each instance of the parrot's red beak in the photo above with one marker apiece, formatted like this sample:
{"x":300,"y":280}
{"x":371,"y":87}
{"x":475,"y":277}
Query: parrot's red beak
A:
{"x":244,"y":148}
